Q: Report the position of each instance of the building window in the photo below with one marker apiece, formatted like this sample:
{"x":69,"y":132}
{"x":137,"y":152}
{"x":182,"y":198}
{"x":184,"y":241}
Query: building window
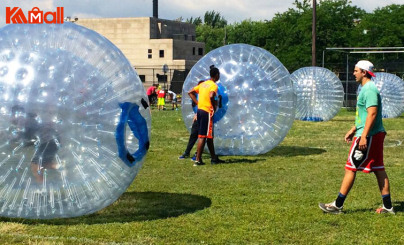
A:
{"x":149,"y":53}
{"x":200,"y":51}
{"x":161,"y":53}
{"x":193,"y":51}
{"x":142,"y":78}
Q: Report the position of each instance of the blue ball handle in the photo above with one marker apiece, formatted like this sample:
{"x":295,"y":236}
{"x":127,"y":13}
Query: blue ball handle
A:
{"x":221,"y":110}
{"x":130,"y":115}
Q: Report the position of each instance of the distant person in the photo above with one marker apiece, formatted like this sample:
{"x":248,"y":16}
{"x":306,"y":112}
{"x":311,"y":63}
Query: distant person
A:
{"x":161,"y":95}
{"x":193,"y":137}
{"x":174,"y":100}
{"x":151,"y":94}
{"x":43,"y":136}
{"x":207,"y":106}
{"x":367,"y":136}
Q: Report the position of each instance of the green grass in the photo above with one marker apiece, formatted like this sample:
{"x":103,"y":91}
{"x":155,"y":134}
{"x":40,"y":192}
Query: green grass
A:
{"x":270,"y":198}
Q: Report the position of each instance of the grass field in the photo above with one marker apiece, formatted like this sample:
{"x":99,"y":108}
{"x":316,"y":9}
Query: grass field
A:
{"x":264,"y":199}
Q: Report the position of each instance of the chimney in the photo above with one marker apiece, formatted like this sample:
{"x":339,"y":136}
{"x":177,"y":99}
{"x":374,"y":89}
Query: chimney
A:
{"x":156,"y":9}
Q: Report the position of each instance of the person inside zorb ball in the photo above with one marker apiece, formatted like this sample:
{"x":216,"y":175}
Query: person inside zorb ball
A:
{"x":257,"y":99}
{"x":75,"y":122}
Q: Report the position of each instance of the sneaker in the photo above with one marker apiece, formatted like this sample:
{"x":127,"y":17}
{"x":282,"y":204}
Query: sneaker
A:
{"x":330,"y":208}
{"x":216,"y":161}
{"x":384,"y":210}
{"x":183,"y":156}
{"x":198,"y":163}
{"x":194,"y":157}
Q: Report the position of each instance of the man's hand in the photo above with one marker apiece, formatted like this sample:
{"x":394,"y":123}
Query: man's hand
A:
{"x":363,"y":144}
{"x":349,"y":136}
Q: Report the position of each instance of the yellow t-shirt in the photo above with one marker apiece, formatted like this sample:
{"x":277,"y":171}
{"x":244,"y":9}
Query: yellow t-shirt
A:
{"x":203,"y":90}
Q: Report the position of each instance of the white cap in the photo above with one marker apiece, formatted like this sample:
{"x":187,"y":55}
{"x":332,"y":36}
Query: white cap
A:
{"x":367,"y":66}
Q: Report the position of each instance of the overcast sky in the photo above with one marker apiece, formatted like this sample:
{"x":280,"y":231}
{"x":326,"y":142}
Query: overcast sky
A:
{"x":231,"y":10}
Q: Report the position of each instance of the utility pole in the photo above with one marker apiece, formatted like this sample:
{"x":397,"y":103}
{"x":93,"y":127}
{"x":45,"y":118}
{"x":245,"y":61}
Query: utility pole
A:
{"x":313,"y":35}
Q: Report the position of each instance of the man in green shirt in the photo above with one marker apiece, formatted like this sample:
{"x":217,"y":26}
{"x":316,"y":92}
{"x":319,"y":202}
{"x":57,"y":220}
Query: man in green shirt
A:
{"x":367,"y":136}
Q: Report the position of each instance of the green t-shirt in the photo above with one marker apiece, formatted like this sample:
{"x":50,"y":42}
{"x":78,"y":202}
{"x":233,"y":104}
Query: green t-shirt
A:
{"x":368,"y":96}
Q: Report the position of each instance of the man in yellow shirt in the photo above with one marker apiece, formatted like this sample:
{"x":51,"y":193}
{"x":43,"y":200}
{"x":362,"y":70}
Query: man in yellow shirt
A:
{"x":207,"y":106}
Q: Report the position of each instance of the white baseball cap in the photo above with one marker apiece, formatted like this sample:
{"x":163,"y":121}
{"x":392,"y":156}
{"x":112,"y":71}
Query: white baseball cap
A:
{"x":367,"y":66}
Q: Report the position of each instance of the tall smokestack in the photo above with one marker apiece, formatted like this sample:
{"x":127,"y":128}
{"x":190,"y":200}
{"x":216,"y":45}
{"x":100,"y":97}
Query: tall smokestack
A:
{"x":155,"y":8}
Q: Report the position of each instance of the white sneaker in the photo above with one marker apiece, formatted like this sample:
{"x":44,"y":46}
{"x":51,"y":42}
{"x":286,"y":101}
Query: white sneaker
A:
{"x":330,"y":208}
{"x":383,"y":210}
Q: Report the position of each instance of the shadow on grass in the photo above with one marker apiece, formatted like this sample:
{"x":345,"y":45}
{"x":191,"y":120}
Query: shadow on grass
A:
{"x":341,"y":120}
{"x":285,"y":151}
{"x":244,"y":160}
{"x":291,"y":151}
{"x":398,"y":206}
{"x":133,"y":206}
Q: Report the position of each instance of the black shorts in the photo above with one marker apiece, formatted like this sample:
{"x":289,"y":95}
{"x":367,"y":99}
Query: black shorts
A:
{"x":205,"y":121}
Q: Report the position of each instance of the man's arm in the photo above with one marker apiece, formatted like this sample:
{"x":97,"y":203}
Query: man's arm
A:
{"x":370,"y":121}
{"x":220,"y":101}
{"x":212,"y":95}
{"x":192,"y":95}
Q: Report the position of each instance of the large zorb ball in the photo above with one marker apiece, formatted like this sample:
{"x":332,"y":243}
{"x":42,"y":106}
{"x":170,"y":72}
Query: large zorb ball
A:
{"x":319,"y":94}
{"x":74,"y":121}
{"x":391,"y":89}
{"x":257,"y":99}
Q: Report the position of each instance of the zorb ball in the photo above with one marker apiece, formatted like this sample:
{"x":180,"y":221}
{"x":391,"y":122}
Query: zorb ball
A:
{"x":391,"y":89}
{"x":257,"y":99}
{"x":319,"y":94}
{"x":74,"y":122}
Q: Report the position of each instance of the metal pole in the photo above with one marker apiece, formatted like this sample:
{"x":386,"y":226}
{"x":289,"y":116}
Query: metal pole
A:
{"x":313,"y":31}
{"x":165,"y":80}
{"x":153,"y":77}
{"x":323,"y":57}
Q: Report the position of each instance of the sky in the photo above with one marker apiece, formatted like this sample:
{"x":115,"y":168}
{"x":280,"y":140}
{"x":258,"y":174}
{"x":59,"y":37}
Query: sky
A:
{"x":231,"y":10}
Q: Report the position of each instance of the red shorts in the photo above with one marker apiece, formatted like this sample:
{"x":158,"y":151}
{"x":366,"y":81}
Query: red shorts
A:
{"x":372,"y":159}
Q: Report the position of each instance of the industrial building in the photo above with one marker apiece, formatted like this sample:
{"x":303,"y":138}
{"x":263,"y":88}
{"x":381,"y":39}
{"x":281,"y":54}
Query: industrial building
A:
{"x":151,"y":44}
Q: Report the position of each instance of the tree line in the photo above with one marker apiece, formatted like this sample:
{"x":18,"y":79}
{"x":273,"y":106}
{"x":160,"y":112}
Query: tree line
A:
{"x":288,"y":35}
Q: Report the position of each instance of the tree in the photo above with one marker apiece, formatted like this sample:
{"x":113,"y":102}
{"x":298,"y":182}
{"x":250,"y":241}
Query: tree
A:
{"x":212,"y":31}
{"x":197,"y":21}
{"x":212,"y":37}
{"x":336,"y":28}
{"x":290,"y":36}
{"x":383,"y":28}
{"x":291,"y":32}
{"x":214,"y":19}
{"x":251,"y":32}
